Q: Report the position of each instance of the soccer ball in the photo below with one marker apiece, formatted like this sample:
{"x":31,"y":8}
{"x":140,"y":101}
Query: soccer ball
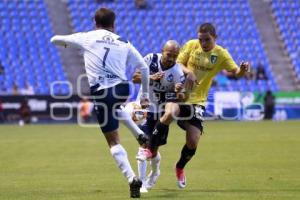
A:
{"x":138,"y":114}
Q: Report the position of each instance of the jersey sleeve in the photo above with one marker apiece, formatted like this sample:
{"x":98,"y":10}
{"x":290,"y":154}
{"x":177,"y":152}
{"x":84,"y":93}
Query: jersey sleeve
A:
{"x":228,"y":63}
{"x":179,"y":77}
{"x":148,"y":58}
{"x":76,"y":40}
{"x":184,"y":54}
{"x":134,"y":58}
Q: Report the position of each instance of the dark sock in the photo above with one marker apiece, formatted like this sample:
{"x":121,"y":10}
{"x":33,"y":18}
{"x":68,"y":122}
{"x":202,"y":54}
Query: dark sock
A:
{"x":186,"y":155}
{"x":160,"y":130}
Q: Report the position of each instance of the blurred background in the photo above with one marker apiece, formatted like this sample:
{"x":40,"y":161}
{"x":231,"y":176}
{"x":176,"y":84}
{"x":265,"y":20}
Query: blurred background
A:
{"x":39,"y":82}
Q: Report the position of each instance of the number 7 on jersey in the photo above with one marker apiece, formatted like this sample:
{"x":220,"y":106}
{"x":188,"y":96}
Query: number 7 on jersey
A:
{"x":105,"y":56}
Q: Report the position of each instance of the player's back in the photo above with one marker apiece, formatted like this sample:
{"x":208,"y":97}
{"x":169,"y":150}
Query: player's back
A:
{"x":105,"y":55}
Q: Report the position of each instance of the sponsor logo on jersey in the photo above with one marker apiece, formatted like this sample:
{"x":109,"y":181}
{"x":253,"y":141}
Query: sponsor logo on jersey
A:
{"x":101,"y":78}
{"x":108,"y":39}
{"x":111,"y":76}
{"x":158,"y":86}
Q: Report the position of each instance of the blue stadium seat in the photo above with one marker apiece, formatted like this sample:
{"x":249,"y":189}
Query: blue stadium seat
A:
{"x":146,"y":29}
{"x":27,"y":20}
{"x":287,"y":15}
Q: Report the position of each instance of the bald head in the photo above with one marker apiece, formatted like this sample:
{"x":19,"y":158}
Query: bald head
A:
{"x":170,"y":53}
{"x":171,"y":45}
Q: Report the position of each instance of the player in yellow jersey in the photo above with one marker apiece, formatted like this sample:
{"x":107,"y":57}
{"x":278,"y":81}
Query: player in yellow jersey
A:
{"x":201,"y":60}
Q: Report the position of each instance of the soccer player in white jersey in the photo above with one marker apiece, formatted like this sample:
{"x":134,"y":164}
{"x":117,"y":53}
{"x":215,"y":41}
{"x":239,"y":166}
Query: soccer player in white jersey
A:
{"x":166,"y":80}
{"x":106,"y":57}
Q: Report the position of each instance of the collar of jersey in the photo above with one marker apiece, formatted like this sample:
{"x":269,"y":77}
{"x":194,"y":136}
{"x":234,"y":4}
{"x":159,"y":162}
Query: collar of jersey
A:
{"x":164,"y":68}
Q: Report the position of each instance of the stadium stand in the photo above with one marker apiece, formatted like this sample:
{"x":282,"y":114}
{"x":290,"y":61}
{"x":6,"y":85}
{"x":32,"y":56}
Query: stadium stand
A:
{"x":28,"y":57}
{"x":26,"y":54}
{"x":287,"y":16}
{"x":148,"y":28}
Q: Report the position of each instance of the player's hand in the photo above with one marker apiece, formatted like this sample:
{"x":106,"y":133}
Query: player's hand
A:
{"x":137,"y":76}
{"x":245,"y":66}
{"x":190,"y":81}
{"x":157,"y":76}
{"x":178,"y":87}
{"x":180,"y":96}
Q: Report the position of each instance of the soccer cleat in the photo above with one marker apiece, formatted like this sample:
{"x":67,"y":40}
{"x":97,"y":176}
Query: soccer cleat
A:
{"x":151,"y":180}
{"x":144,"y":154}
{"x":135,"y":186}
{"x":143,"y":189}
{"x":181,"y":179}
{"x":143,"y":139}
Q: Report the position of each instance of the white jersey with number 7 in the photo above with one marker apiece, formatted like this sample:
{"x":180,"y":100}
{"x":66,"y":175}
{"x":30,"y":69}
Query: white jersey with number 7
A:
{"x":106,"y":55}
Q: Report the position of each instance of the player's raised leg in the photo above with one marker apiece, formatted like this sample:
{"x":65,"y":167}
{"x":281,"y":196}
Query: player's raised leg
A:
{"x":126,"y":119}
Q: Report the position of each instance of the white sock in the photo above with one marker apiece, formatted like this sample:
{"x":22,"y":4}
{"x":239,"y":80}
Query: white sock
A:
{"x":120,"y":156}
{"x":155,"y":163}
{"x":142,"y":167}
{"x":125,"y":117}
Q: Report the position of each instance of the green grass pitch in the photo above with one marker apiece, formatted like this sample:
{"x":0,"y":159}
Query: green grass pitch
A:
{"x":234,"y":161}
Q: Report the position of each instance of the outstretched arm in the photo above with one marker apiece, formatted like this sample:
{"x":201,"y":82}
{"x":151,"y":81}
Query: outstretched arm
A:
{"x":74,"y":40}
{"x":59,"y":40}
{"x":242,"y":70}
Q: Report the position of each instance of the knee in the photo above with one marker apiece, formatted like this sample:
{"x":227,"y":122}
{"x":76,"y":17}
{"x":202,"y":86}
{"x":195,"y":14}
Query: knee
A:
{"x":188,"y":152}
{"x":171,"y":111}
{"x":154,"y":152}
{"x":192,"y":139}
{"x":112,"y":138}
{"x":192,"y":143}
{"x":168,"y":115}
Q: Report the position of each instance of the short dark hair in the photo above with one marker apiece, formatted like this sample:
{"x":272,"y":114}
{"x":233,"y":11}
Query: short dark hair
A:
{"x":208,"y":28}
{"x":105,"y":18}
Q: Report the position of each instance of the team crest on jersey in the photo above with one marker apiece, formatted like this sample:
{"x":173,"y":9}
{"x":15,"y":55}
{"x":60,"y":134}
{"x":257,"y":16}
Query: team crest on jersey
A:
{"x":213,"y":59}
{"x":170,"y":78}
{"x":108,"y":39}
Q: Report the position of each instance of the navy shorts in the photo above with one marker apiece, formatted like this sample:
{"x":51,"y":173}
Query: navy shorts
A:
{"x":149,"y":125}
{"x":106,"y":103}
{"x":192,"y":114}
